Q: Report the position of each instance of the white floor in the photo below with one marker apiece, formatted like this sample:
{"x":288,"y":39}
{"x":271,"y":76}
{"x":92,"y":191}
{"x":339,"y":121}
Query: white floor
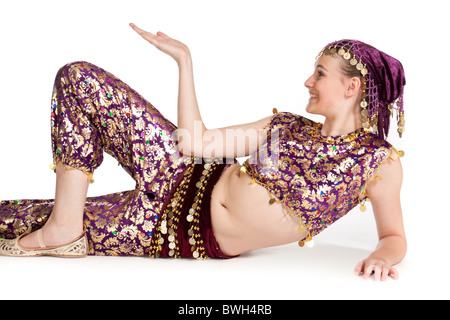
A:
{"x":287,"y":272}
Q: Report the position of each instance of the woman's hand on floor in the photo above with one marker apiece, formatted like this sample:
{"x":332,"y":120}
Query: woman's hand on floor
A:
{"x":380,"y":269}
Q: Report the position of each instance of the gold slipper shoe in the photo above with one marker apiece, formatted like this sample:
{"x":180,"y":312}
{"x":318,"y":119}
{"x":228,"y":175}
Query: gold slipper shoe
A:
{"x":75,"y":249}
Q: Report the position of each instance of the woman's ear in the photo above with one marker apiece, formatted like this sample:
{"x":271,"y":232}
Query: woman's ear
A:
{"x":354,"y":86}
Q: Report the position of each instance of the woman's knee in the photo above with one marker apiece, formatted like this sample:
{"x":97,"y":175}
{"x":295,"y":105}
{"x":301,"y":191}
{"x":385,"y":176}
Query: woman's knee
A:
{"x":76,"y":69}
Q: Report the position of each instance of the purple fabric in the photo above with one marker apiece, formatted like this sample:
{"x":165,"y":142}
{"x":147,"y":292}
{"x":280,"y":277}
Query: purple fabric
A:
{"x":385,"y":77}
{"x":317,"y":179}
{"x":93,"y":111}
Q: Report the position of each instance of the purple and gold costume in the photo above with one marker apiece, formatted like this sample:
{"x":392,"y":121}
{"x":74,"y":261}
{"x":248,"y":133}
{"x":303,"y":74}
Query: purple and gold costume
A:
{"x":93,"y":111}
{"x":317,"y":179}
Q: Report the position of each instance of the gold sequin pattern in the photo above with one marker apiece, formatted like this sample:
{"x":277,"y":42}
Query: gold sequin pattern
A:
{"x":317,"y":179}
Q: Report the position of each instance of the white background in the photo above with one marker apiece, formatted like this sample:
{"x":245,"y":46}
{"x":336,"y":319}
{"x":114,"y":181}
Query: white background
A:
{"x":249,"y":56}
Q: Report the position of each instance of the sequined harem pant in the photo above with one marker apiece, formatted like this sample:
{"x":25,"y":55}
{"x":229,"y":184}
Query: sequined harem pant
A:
{"x":93,"y":111}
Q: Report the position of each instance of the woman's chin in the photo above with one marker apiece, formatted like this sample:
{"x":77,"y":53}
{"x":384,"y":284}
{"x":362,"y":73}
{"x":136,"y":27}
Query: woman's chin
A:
{"x":310,"y":108}
{"x":314,"y":107}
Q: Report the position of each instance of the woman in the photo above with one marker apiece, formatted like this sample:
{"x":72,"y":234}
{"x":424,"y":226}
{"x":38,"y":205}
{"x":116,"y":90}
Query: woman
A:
{"x":192,"y":198}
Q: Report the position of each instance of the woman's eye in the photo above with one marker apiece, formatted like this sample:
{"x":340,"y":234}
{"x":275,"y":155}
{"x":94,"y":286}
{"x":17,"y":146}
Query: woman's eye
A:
{"x":320,"y":73}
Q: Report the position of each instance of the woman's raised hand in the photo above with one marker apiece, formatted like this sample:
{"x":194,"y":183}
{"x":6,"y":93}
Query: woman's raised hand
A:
{"x":174,"y":48}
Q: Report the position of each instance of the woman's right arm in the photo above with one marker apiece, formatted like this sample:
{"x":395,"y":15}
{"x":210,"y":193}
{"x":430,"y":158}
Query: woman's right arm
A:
{"x":193,"y":137}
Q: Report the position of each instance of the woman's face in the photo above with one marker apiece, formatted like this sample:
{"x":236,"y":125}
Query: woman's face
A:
{"x":327,"y":86}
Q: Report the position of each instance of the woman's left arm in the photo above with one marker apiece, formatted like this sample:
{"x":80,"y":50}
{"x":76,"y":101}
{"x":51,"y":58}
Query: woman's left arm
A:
{"x":384,"y":194}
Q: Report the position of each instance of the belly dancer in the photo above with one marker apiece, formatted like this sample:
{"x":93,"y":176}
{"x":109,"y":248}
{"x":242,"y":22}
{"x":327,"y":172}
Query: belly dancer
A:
{"x":192,"y":198}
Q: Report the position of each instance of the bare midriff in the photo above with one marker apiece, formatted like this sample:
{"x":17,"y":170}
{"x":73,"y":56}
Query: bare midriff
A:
{"x":242,"y":218}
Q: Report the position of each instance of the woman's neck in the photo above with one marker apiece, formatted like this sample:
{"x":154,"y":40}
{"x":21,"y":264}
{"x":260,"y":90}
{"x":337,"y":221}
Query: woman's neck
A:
{"x":342,"y":124}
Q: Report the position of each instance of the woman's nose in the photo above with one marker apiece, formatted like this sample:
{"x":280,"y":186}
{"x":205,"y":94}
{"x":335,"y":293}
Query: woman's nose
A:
{"x":309,"y":83}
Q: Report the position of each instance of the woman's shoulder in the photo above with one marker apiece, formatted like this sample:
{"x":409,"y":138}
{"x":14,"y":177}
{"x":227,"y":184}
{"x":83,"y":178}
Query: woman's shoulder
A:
{"x":286,"y":118}
{"x":385,"y":159}
{"x":382,"y":148}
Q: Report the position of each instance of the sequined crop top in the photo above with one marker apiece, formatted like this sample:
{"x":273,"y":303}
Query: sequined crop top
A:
{"x":317,"y":179}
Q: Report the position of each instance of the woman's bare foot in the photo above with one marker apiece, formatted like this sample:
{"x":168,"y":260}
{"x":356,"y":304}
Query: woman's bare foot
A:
{"x":53,"y":236}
